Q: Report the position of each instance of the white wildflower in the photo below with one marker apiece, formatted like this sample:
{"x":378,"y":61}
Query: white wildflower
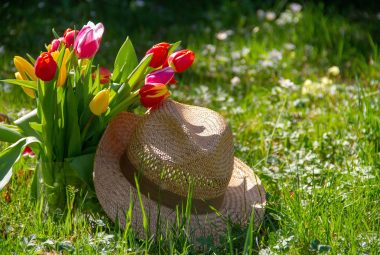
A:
{"x":270,"y":16}
{"x":326,"y":81}
{"x":255,"y":30}
{"x":235,"y":81}
{"x":223,"y":59}
{"x":245,"y":51}
{"x":266,"y":63}
{"x":236,"y":55}
{"x":286,"y":83}
{"x":209,"y":49}
{"x":295,"y":7}
{"x":275,"y":55}
{"x":223,"y":35}
{"x":309,"y":87}
{"x":333,"y":71}
{"x":238,"y":69}
{"x":289,"y":46}
{"x":285,"y":18}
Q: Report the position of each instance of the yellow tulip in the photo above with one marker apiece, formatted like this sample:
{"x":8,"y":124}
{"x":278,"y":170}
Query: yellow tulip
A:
{"x":25,"y":69}
{"x":63,"y":69}
{"x":99,"y":103}
{"x":28,"y":91}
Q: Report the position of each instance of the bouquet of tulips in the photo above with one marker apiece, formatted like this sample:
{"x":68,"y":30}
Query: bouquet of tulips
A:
{"x":75,"y":100}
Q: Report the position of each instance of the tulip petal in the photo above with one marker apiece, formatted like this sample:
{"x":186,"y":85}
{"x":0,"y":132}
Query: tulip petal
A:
{"x":163,"y":76}
{"x":88,"y":40}
{"x":151,"y":95}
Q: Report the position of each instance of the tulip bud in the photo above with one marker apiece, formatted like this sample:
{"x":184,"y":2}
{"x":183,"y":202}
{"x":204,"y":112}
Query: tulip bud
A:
{"x":151,"y":95}
{"x":45,"y":67}
{"x":69,"y":37}
{"x":160,"y":53}
{"x":28,"y":152}
{"x":25,"y":69}
{"x":163,"y":76}
{"x":99,"y":103}
{"x":104,"y":75}
{"x":88,"y":40}
{"x":54,"y":46}
{"x":28,"y":91}
{"x":181,"y":60}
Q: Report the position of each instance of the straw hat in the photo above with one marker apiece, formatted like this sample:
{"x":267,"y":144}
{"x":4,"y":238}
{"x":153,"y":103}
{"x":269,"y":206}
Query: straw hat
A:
{"x":171,"y":151}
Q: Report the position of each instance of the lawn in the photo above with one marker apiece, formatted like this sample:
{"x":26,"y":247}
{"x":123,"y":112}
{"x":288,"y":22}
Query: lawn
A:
{"x":309,"y":131}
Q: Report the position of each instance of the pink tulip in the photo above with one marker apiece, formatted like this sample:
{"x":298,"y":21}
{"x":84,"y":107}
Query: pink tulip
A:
{"x":55,"y":44}
{"x":163,"y":76}
{"x":88,"y":40}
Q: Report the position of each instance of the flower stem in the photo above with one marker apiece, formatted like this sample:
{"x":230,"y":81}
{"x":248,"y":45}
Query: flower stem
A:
{"x":85,"y":130}
{"x":122,"y":105}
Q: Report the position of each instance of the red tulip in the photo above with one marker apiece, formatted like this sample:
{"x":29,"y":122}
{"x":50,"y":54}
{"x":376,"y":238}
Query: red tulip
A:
{"x":166,"y":64}
{"x":160,"y":53}
{"x":172,"y":81}
{"x":151,"y":95}
{"x":104,"y":75}
{"x":88,"y":40}
{"x":163,"y":76}
{"x":45,"y":67}
{"x":69,"y":36}
{"x":181,"y":60}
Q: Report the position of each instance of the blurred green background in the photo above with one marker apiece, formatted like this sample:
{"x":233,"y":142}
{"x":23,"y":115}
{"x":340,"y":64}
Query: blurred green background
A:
{"x":26,"y":25}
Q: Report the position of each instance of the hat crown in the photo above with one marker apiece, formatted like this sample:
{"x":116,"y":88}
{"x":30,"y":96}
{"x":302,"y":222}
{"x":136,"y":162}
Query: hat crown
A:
{"x":177,"y":144}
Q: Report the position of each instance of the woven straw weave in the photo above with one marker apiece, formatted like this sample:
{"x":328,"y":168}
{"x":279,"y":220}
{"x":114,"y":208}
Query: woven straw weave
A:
{"x":200,"y":150}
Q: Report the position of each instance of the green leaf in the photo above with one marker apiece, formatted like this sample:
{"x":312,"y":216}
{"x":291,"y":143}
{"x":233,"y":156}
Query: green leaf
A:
{"x":9,"y":133}
{"x":55,"y":33}
{"x":36,"y":126}
{"x":96,"y":86}
{"x":139,"y":72}
{"x":23,"y":83}
{"x":24,"y":123}
{"x":173,"y":47}
{"x":125,"y":61}
{"x":82,"y":166}
{"x":73,"y":129}
{"x":10,"y":156}
{"x":31,"y":59}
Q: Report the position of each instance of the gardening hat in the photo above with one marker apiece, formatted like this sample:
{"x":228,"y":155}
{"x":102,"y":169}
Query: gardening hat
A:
{"x":148,"y":166}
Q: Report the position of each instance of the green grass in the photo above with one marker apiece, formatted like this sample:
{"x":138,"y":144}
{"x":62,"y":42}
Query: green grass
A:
{"x":316,"y":151}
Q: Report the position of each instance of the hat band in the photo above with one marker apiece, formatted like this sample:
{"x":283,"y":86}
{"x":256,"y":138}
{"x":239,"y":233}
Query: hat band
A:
{"x":166,"y":197}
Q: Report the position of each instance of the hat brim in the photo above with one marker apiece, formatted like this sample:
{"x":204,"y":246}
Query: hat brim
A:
{"x":244,"y":194}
